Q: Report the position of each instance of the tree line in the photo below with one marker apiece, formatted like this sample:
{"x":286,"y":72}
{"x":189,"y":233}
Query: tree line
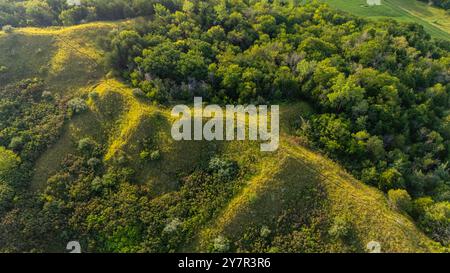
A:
{"x":445,"y":4}
{"x":41,"y":13}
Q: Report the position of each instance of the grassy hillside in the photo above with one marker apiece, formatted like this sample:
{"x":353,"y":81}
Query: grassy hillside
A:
{"x":294,"y":182}
{"x":66,"y":58}
{"x":292,"y":198}
{"x":302,"y":185}
{"x":435,"y":21}
{"x":69,"y":61}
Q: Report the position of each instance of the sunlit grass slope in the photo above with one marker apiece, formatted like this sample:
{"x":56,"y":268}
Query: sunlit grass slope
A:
{"x":121,"y":122}
{"x":293,"y":183}
{"x":66,"y":58}
{"x":298,"y":195}
{"x":435,"y":21}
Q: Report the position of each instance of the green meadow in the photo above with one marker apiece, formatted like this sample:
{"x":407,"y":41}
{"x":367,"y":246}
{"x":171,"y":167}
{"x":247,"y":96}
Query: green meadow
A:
{"x":435,"y":21}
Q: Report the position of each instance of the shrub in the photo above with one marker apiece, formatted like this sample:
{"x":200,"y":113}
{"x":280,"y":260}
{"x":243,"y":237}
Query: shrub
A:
{"x":341,"y":227}
{"x":9,"y":162}
{"x":265,"y":232}
{"x":221,"y":244}
{"x":401,"y":200}
{"x":152,"y":156}
{"x":144,"y":155}
{"x":3,"y":69}
{"x":94,"y":95}
{"x":120,"y":158}
{"x":47,"y":95}
{"x":86,"y":146}
{"x":94,"y":162}
{"x":434,"y":218}
{"x":370,"y":176}
{"x":6,"y":195}
{"x":77,"y":105}
{"x":16,"y":143}
{"x":137,"y":92}
{"x":421,"y":204}
{"x":223,"y":168}
{"x":8,"y":29}
{"x":172,"y":226}
{"x":97,"y":184}
{"x":155,"y":155}
{"x":74,"y":15}
{"x":391,"y":179}
{"x":436,"y":221}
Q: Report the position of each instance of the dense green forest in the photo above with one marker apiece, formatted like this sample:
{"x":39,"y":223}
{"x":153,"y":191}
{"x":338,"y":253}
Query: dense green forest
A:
{"x":379,"y":94}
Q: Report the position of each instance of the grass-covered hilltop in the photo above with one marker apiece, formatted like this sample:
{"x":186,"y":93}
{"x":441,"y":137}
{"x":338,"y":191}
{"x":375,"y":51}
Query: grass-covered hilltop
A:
{"x":86,"y":152}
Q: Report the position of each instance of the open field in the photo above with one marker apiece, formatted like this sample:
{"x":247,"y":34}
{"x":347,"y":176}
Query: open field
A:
{"x":435,"y":21}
